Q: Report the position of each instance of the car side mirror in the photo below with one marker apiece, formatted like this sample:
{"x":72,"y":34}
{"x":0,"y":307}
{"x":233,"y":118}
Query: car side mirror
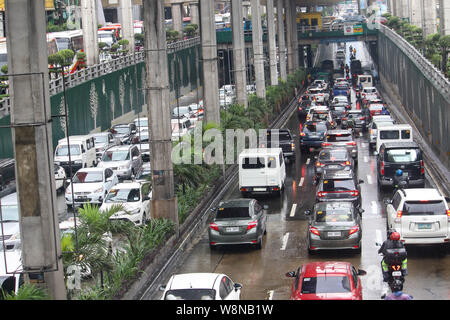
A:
{"x":387,"y":201}
{"x":146,"y":198}
{"x":360,"y":181}
{"x":290,"y":274}
{"x":237,"y":286}
{"x":447,"y":199}
{"x":361,"y":272}
{"x":133,"y":131}
{"x":162,"y":288}
{"x":307,"y":212}
{"x":135,"y":157}
{"x":361,"y":210}
{"x":109,"y":179}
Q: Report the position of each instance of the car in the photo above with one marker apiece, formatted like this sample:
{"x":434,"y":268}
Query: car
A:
{"x":368,"y":93}
{"x":334,"y":225}
{"x":340,"y":54}
{"x":60,"y":178}
{"x":333,"y":159}
{"x":339,"y":186}
{"x":125,"y":133}
{"x":10,"y":230}
{"x":320,"y":83}
{"x":341,"y":99}
{"x":103,"y":141}
{"x":181,"y":112}
{"x":238,"y":221}
{"x":319,"y":94}
{"x":141,"y":124}
{"x":312,"y":134}
{"x":280,"y":138}
{"x":341,"y":89}
{"x":144,"y":145}
{"x":393,"y":133}
{"x":145,"y":173}
{"x":134,"y":197}
{"x":381,"y":120}
{"x":321,"y":113}
{"x":201,"y":286}
{"x":304,"y":102}
{"x":7,"y":172}
{"x":406,"y":156}
{"x":11,"y":272}
{"x":354,"y":119}
{"x":342,"y":138}
{"x":180,"y":127}
{"x":420,"y":215}
{"x":90,"y":185}
{"x":125,"y":160}
{"x":329,"y":280}
{"x":338,"y":111}
{"x":375,"y":109}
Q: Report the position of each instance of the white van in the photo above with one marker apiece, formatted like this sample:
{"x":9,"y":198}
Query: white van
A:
{"x":261,"y":170}
{"x":394,"y":133}
{"x":364,"y":80}
{"x":82,"y":153}
{"x":180,"y":127}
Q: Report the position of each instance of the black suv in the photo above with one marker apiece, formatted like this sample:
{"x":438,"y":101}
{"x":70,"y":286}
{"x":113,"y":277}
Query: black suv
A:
{"x":283,"y":138}
{"x":313,"y":134}
{"x":339,"y":185}
{"x":406,"y":156}
{"x":304,"y":103}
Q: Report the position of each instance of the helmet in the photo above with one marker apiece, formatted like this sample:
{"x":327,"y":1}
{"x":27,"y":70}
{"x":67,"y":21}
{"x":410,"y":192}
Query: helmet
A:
{"x":399,"y":173}
{"x":395,"y":236}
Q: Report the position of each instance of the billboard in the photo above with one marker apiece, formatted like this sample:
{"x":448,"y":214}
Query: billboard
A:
{"x":49,"y":5}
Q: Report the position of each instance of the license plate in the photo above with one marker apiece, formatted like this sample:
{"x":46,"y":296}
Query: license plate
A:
{"x":396,"y":273}
{"x":333,"y":167}
{"x":259,"y":189}
{"x":82,"y":198}
{"x":232,"y":229}
{"x":424,"y":226}
{"x":334,"y":234}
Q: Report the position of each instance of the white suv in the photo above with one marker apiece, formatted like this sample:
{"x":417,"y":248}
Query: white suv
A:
{"x":420,"y":215}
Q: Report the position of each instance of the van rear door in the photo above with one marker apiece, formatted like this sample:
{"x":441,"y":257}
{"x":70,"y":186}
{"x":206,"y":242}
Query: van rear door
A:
{"x":253,"y":172}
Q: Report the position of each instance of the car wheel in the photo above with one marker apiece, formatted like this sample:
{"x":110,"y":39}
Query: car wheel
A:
{"x":144,"y":219}
{"x":212,"y":247}
{"x":358,"y":251}
{"x":311,"y":252}
{"x":259,"y":244}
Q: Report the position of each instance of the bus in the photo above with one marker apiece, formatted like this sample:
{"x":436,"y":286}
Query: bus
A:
{"x":115,"y":27}
{"x":311,"y":19}
{"x":72,"y":40}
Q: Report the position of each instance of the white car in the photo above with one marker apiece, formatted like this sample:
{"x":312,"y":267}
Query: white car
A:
{"x":201,"y":286}
{"x":340,"y":54}
{"x":340,"y":100}
{"x":319,"y":94}
{"x":420,"y":215}
{"x":60,"y":178}
{"x":180,"y":127}
{"x":10,"y":229}
{"x":141,"y":124}
{"x":135,"y":199}
{"x":90,"y":185}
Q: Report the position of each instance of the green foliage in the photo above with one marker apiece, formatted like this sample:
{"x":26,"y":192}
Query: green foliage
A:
{"x":28,"y":292}
{"x":4,"y":69}
{"x":102,"y":45}
{"x":172,"y":35}
{"x":190,"y":30}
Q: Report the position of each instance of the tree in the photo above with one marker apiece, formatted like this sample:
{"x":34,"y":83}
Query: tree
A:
{"x":190,"y":30}
{"x":444,"y":44}
{"x":172,"y":35}
{"x":124,"y":44}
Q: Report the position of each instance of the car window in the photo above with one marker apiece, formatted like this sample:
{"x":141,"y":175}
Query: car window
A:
{"x":333,"y":155}
{"x":123,"y":195}
{"x":253,"y":163}
{"x":108,"y":173}
{"x":146,"y":188}
{"x":224,"y":213}
{"x":425,"y":208}
{"x":355,"y":277}
{"x":389,"y":134}
{"x":402,"y":155}
{"x":339,"y":137}
{"x":314,"y":127}
{"x":226,"y":286}
{"x":258,"y":208}
{"x":271,"y":162}
{"x":88,"y":177}
{"x":190,"y":294}
{"x":333,"y":215}
{"x":339,"y":185}
{"x":118,"y":155}
{"x":332,"y":284}
{"x":406,"y":134}
{"x":396,"y":200}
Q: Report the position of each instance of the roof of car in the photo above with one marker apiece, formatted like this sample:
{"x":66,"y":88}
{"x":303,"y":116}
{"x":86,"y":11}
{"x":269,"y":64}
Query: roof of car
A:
{"x":261,"y":151}
{"x":121,"y":147}
{"x":383,"y":117}
{"x":422,"y":194}
{"x":235,"y":203}
{"x":404,"y":144}
{"x":101,"y":134}
{"x":128,"y":185}
{"x":315,"y":269}
{"x":194,"y":281}
{"x":91,"y":169}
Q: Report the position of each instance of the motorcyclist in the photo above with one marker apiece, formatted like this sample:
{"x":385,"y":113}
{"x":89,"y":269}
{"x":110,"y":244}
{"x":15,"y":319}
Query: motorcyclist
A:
{"x":385,"y":111}
{"x":397,"y":293}
{"x":390,"y":256}
{"x":400,"y":180}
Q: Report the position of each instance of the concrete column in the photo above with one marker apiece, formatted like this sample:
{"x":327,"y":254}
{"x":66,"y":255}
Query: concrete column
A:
{"x":32,"y":138}
{"x":177,"y":18}
{"x":164,"y":202}
{"x":209,"y":61}
{"x":429,"y":15}
{"x":195,"y":19}
{"x":281,"y":40}
{"x":444,"y":14}
{"x":294,"y":34}
{"x":272,"y":43}
{"x":258,"y":49}
{"x":127,"y":24}
{"x":404,"y":9}
{"x":289,"y":31}
{"x":245,"y":7}
{"x":90,"y":36}
{"x":416,"y":13}
{"x":240,"y":75}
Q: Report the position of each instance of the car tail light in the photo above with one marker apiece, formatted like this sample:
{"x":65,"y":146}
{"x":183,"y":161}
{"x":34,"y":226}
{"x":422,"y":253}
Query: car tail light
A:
{"x":318,"y":164}
{"x":243,"y":189}
{"x":324,"y":144}
{"x":354,"y":193}
{"x":332,"y":123}
{"x":371,"y":132}
{"x":321,"y":194}
{"x":302,"y":134}
{"x":422,"y":168}
{"x":252,"y":225}
{"x":344,"y":119}
{"x":353,"y":143}
{"x":346,"y":163}
{"x":314,"y":230}
{"x":353,"y":230}
{"x":382,"y":168}
{"x":214,"y":226}
{"x":292,"y":146}
{"x":300,"y":108}
{"x":448,"y":215}
{"x":399,"y":214}
{"x":362,"y":118}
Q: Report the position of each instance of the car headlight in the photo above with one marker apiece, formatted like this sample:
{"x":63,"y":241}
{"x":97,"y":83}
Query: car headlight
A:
{"x":15,"y":236}
{"x":99,"y":190}
{"x":134,"y":211}
{"x":123,"y":167}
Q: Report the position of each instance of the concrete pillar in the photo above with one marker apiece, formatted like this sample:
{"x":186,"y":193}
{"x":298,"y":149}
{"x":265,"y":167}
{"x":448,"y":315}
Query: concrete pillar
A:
{"x":164,"y":201}
{"x":301,"y":54}
{"x":193,"y":7}
{"x":429,"y":15}
{"x":245,"y":7}
{"x":416,"y":13}
{"x":177,"y":18}
{"x":258,"y":49}
{"x":209,"y":61}
{"x":444,"y":14}
{"x":32,"y":138}
{"x":127,"y":24}
{"x":404,"y":9}
{"x":281,"y":40}
{"x":294,"y":34}
{"x":90,"y":36}
{"x":272,"y":43}
{"x":289,"y":31}
{"x":240,"y":75}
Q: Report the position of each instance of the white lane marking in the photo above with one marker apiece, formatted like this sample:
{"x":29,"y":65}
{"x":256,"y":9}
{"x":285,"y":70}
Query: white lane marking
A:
{"x":374,"y":207}
{"x":294,"y":207}
{"x":369,"y":179}
{"x":300,"y":183}
{"x":270,"y":292}
{"x":366,"y":159}
{"x":285,"y":240}
{"x":363,"y":145}
{"x":360,"y":134}
{"x":378,"y":238}
{"x":308,"y":161}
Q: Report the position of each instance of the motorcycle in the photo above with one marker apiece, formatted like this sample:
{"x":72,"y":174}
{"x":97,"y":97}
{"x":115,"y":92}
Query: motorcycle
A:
{"x":401,"y":182}
{"x":396,"y":275}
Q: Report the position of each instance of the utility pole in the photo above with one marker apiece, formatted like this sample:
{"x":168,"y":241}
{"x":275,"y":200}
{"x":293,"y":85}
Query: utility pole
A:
{"x":164,"y":202}
{"x":32,"y":137}
{"x":90,"y":33}
{"x":239,"y":53}
{"x":127,"y":24}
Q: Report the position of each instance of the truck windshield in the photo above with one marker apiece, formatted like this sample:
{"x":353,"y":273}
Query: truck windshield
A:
{"x":62,"y":151}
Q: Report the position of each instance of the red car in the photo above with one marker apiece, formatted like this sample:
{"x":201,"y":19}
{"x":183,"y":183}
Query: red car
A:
{"x":326,"y":281}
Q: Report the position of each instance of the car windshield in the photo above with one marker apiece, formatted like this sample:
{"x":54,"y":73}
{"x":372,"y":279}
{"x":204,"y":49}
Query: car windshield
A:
{"x":101,"y":139}
{"x":426,"y":208}
{"x":319,"y":116}
{"x":332,"y":212}
{"x":333,"y":155}
{"x":123,"y":195}
{"x":376,"y":107}
{"x":353,"y":115}
{"x":121,"y":130}
{"x":338,"y":185}
{"x":62,"y":151}
{"x":372,"y":90}
{"x":232,"y":213}
{"x":118,"y":155}
{"x":253,"y":163}
{"x":190,"y":294}
{"x":339,"y":108}
{"x":181,"y":110}
{"x":88,"y":177}
{"x":339,"y":137}
{"x":141,"y":123}
{"x":326,"y":284}
{"x":402,"y":155}
{"x":315,"y":127}
{"x":10,"y":212}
